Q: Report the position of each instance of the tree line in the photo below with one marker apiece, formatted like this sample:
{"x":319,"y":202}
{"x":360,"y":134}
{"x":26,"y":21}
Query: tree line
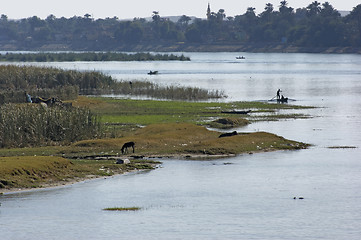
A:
{"x":315,"y":25}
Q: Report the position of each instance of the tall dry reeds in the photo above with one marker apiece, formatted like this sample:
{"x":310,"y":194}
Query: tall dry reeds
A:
{"x":152,"y":90}
{"x":24,"y":125}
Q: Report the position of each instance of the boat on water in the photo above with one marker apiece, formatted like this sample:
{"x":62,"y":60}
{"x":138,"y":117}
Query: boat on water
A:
{"x":282,"y":100}
{"x":240,"y":57}
{"x":279,"y":100}
{"x":152,"y":72}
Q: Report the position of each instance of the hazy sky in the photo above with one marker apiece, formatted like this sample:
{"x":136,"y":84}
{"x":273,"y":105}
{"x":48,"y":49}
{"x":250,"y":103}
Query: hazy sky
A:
{"x":16,"y":9}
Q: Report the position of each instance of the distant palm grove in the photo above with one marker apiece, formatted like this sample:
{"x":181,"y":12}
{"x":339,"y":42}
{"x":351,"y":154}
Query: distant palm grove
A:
{"x":314,"y":26}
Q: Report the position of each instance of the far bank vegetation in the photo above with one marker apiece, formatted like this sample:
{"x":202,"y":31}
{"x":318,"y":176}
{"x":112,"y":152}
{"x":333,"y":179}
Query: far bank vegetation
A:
{"x":314,"y":27}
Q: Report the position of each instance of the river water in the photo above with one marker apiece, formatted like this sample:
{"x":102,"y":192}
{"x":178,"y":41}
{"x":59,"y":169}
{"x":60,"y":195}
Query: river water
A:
{"x":243,"y":197}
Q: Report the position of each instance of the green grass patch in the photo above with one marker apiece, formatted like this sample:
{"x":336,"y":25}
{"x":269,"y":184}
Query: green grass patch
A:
{"x":144,"y":112}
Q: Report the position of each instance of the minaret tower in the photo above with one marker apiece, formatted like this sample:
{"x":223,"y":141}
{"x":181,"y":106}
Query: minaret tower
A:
{"x":209,"y":11}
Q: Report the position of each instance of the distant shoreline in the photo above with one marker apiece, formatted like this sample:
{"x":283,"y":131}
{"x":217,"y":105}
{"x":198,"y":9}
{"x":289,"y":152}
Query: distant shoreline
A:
{"x":185,"y":47}
{"x":253,"y":48}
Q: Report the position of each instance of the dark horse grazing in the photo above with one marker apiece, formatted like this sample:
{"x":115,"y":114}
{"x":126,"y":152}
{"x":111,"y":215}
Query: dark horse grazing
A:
{"x":126,"y":146}
{"x":228,"y":134}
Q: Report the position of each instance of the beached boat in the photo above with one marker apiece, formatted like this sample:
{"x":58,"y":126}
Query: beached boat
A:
{"x":236,"y":112}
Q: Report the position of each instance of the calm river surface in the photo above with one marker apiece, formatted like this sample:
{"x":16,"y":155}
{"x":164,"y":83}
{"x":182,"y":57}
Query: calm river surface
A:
{"x":244,"y":197}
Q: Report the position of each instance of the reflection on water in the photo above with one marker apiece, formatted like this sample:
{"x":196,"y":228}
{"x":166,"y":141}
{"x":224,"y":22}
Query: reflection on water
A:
{"x":245,"y":197}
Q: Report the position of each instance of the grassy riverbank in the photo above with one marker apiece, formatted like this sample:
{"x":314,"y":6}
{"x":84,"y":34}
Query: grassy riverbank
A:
{"x":26,"y":172}
{"x":158,"y":128}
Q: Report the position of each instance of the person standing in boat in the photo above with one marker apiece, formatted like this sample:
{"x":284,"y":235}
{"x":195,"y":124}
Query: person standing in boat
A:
{"x":278,"y":94}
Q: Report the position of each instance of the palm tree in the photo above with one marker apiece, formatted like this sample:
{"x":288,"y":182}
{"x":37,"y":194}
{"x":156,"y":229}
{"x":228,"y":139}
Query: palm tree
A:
{"x":283,"y":5}
{"x":267,"y":13}
{"x":250,"y":11}
{"x":155,"y":16}
{"x":328,"y":10}
{"x":269,"y":8}
{"x":284,"y":10}
{"x":314,"y":9}
{"x":221,"y":14}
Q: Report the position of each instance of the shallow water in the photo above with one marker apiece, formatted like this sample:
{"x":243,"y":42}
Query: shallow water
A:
{"x":244,"y":197}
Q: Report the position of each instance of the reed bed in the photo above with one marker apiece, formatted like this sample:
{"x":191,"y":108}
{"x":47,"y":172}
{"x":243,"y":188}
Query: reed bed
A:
{"x":155,"y":91}
{"x":31,"y":78}
{"x":23,"y":125}
{"x":17,"y":79}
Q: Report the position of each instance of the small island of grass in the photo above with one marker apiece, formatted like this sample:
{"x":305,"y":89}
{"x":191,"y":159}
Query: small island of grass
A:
{"x":122,"y":209}
{"x":160,"y":129}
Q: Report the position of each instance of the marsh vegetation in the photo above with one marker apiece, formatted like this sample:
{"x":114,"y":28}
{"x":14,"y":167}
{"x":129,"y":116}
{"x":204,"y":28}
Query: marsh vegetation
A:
{"x":28,"y":125}
{"x":67,"y":84}
{"x":89,"y":57}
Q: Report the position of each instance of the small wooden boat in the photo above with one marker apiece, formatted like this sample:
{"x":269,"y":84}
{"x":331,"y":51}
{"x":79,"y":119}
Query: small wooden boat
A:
{"x":236,"y":112}
{"x":153,"y":72}
{"x":282,"y":100}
